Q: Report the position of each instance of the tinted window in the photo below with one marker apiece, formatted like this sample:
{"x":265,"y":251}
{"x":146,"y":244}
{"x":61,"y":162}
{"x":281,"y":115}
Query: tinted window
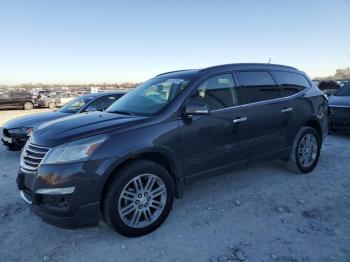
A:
{"x":17,"y":95}
{"x":74,"y":105}
{"x":259,"y":86}
{"x":102,"y":103}
{"x":291,"y":83}
{"x":218,"y":92}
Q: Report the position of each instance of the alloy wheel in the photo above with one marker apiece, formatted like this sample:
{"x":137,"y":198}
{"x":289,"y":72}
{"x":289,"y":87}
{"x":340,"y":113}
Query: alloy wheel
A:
{"x":307,"y":150}
{"x":142,"y":200}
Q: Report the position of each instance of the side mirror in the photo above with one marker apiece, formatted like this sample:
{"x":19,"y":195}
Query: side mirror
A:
{"x":196,"y":108}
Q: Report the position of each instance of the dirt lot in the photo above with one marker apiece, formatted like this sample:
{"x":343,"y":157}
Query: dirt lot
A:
{"x":263,"y":213}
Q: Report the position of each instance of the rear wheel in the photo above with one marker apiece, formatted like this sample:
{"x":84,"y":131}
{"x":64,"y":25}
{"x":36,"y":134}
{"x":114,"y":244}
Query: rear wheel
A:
{"x":305,"y":152}
{"x":52,"y":105}
{"x":28,"y":105}
{"x":139,"y":198}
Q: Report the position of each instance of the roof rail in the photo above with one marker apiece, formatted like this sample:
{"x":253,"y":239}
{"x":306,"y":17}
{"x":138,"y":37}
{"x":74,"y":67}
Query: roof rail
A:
{"x":246,"y":64}
{"x":174,"y":72}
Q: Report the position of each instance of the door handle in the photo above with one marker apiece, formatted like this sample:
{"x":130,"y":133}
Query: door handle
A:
{"x":240,"y":119}
{"x":286,"y":109}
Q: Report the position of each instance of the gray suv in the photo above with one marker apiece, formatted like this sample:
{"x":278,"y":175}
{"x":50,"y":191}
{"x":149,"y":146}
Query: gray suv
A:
{"x":130,"y":161}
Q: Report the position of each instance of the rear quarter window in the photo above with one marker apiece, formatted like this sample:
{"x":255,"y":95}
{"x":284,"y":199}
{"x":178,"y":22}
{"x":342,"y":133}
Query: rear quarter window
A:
{"x":291,"y":83}
{"x":258,"y":85}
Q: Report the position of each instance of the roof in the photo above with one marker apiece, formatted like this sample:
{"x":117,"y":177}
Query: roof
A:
{"x":180,"y":73}
{"x":240,"y":66}
{"x":250,"y":65}
{"x":104,"y":93}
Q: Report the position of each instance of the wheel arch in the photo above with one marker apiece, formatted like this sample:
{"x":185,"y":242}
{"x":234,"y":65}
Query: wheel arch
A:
{"x":159,"y":156}
{"x":315,"y":124}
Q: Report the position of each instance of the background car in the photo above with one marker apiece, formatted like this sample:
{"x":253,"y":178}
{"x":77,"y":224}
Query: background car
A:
{"x":17,"y":131}
{"x":339,"y":109}
{"x":57,"y":99}
{"x":329,"y":87}
{"x":20,"y":100}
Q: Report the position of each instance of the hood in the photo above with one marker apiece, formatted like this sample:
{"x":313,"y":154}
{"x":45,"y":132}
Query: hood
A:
{"x":77,"y":126}
{"x":341,"y":101}
{"x":34,"y":119}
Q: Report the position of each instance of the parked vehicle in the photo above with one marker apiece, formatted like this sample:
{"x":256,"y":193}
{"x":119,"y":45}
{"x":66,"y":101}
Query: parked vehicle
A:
{"x":339,"y":109}
{"x":22,"y":100}
{"x":57,"y":99}
{"x":329,"y":87}
{"x":130,"y":161}
{"x":17,"y":131}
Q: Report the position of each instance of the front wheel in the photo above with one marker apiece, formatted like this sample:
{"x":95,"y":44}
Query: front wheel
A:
{"x":139,"y":198}
{"x":305,"y":151}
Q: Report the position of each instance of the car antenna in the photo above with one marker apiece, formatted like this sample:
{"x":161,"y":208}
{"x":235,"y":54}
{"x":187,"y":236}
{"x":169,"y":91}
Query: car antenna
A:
{"x":269,"y":61}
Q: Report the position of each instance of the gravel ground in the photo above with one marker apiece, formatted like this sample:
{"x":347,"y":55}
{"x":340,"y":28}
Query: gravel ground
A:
{"x":263,"y":213}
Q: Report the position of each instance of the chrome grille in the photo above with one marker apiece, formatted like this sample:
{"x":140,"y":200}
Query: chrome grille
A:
{"x":31,"y":156}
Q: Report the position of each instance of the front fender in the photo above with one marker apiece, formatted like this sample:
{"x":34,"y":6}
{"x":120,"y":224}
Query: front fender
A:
{"x":162,"y":139}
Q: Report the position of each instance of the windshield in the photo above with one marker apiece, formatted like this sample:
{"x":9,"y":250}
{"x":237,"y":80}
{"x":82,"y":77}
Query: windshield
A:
{"x":74,"y":105}
{"x":344,"y":90}
{"x":150,"y":97}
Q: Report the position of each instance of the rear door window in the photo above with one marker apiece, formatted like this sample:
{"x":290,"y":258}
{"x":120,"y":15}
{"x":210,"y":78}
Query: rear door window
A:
{"x":258,"y":85}
{"x":291,"y":83}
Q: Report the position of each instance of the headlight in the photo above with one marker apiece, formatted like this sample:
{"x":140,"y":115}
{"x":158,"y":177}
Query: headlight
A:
{"x":20,"y":131}
{"x":78,"y":150}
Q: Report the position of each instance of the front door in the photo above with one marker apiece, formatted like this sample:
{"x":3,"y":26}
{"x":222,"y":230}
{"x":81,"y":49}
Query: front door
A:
{"x":219,"y":139}
{"x":5,"y":100}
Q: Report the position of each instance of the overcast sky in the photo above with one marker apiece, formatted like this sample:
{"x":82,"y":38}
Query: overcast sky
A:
{"x":71,"y":41}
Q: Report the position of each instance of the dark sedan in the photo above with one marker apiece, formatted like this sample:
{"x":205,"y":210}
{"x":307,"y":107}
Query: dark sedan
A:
{"x":339,"y":109}
{"x":16,"y":131}
{"x":22,"y":100}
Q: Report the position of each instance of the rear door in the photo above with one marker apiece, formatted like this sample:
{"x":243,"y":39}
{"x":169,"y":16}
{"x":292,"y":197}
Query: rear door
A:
{"x":269,"y":114}
{"x":220,"y":139}
{"x":291,"y":85}
{"x":17,"y":99}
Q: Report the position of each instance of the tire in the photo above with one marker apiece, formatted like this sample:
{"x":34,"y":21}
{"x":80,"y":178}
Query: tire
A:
{"x":52,"y":105}
{"x":28,"y":106}
{"x":122,"y":193}
{"x":295,"y":162}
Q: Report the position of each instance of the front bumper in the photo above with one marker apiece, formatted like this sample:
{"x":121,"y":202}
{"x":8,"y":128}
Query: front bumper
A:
{"x":13,"y":141}
{"x":337,"y":121}
{"x":79,"y":208}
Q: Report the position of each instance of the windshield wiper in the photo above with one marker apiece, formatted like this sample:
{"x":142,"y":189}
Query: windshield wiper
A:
{"x":122,"y":112}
